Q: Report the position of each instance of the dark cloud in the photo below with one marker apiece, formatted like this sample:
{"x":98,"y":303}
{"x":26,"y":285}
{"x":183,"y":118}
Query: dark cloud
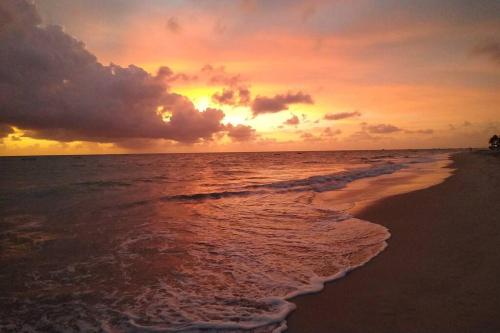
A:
{"x":166,"y":74}
{"x":241,"y":132}
{"x":173,"y":25}
{"x":5,"y":130}
{"x":341,"y":115}
{"x":230,"y":96}
{"x":262,"y":104}
{"x":52,"y":87}
{"x":381,"y":128}
{"x":490,"y":50}
{"x":141,"y":144}
{"x":294,"y":120}
{"x":227,"y":96}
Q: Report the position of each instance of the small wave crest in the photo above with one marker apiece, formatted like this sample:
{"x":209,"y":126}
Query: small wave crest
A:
{"x":212,"y":195}
{"x":320,"y":183}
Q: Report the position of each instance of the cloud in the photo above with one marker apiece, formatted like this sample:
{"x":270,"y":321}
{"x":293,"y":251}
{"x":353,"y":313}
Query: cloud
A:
{"x":341,"y":115}
{"x":381,"y":128}
{"x":219,"y":76}
{"x":329,"y":132}
{"x":294,"y":120}
{"x":53,"y":88}
{"x":235,"y":92}
{"x":173,"y":25}
{"x":388,"y":128}
{"x":420,"y":131}
{"x":5,"y":130}
{"x":309,"y":137}
{"x":244,"y":95}
{"x":262,"y":104}
{"x":490,"y":50}
{"x":166,"y":74}
{"x":229,"y":96}
{"x":326,"y":135}
{"x":241,"y":132}
{"x":363,"y":136}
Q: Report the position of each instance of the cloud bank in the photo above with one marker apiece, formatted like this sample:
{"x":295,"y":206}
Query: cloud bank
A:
{"x":53,"y":88}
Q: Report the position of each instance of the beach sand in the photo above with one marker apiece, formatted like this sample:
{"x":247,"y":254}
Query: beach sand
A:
{"x":441,"y":270}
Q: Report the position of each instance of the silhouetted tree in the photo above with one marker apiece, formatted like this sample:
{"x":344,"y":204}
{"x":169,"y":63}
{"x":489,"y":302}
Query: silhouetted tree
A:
{"x":495,"y":143}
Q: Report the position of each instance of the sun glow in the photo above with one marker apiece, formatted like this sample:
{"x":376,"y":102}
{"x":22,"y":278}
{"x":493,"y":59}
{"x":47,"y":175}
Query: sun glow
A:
{"x":202,"y":103}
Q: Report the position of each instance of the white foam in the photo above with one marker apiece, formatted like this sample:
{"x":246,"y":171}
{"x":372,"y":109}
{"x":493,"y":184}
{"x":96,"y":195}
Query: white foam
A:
{"x":250,"y":296}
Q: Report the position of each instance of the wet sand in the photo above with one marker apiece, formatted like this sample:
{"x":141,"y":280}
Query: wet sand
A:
{"x":440,"y":271}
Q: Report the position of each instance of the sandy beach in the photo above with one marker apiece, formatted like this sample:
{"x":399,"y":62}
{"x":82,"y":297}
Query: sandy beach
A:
{"x":440,"y":270}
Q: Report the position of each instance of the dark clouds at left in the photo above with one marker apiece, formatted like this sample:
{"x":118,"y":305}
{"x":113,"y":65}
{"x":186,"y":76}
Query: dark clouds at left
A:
{"x":52,"y":87}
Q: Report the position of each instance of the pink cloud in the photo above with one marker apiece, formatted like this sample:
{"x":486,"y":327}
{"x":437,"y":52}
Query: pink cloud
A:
{"x":280,"y":102}
{"x":342,"y":115}
{"x":381,"y":128}
{"x":241,"y":132}
{"x":294,"y":120}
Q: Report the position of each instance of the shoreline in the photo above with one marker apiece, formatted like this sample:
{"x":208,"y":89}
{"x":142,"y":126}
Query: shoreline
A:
{"x":437,"y":276}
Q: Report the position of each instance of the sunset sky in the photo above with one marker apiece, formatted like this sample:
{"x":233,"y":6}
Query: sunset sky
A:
{"x":123,"y":76}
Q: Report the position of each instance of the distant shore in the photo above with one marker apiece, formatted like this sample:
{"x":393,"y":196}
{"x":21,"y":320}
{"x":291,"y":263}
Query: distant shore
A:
{"x":440,"y":271}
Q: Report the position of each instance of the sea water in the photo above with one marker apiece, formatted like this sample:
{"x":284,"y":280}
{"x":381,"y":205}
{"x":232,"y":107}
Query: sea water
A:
{"x":177,"y":242}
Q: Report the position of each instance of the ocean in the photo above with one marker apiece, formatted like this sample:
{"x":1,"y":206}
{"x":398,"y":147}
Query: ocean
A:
{"x":178,"y":242}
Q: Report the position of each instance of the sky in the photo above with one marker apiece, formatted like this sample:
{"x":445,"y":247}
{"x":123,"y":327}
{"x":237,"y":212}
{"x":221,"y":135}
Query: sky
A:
{"x":123,"y":76}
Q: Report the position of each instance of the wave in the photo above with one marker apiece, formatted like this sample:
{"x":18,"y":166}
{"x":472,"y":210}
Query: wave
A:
{"x":267,"y":314}
{"x":212,"y":195}
{"x":320,"y":183}
{"x":333,"y":181}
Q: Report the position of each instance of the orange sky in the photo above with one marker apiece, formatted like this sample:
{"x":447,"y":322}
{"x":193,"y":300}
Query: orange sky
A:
{"x":379,"y":74}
